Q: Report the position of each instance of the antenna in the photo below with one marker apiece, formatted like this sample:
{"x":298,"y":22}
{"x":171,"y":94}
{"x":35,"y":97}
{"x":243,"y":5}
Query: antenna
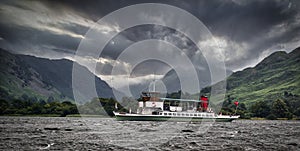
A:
{"x":111,"y":81}
{"x":154,"y":80}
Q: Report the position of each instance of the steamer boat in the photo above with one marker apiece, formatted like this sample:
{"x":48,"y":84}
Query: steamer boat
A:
{"x":153,"y":108}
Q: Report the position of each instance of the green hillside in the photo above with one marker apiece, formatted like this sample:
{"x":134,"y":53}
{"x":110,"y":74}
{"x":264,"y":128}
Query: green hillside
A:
{"x":270,"y":79}
{"x":20,"y":81}
{"x":277,"y":75}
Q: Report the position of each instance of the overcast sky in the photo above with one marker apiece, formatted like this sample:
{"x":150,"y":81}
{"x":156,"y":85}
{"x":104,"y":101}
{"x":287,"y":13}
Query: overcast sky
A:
{"x":246,"y":30}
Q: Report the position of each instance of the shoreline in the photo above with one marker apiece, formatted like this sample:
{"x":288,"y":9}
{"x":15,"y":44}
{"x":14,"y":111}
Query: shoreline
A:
{"x":56,"y":115}
{"x":106,"y":116}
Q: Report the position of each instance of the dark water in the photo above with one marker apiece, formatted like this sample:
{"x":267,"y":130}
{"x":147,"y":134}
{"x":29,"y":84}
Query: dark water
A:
{"x":50,"y":133}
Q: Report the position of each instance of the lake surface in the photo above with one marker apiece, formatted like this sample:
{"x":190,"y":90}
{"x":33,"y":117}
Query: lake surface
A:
{"x":57,"y":133}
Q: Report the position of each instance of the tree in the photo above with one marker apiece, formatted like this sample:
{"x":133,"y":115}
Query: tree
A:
{"x":260,"y":109}
{"x":280,"y":109}
{"x":242,"y":107}
{"x":175,"y":95}
{"x":17,"y":104}
{"x":42,"y":102}
{"x":33,"y":99}
{"x":3,"y":106}
{"x":229,"y":99}
{"x":4,"y":94}
{"x":36,"y":108}
{"x":24,"y":97}
{"x":297,"y":112}
{"x":50,"y":99}
{"x":206,"y":90}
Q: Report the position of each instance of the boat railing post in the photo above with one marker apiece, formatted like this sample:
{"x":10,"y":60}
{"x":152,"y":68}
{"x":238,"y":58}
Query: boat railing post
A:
{"x":236,"y":103}
{"x":116,"y":106}
{"x":235,"y":110}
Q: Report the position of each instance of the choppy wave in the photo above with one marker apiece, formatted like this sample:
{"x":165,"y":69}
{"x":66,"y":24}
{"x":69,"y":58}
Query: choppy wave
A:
{"x":52,"y":133}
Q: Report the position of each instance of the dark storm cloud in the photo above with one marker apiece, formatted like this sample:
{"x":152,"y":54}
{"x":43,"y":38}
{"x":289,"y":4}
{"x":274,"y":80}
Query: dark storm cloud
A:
{"x":90,"y":9}
{"x":95,"y":9}
{"x":271,"y":27}
{"x":236,"y":19}
{"x":32,"y":28}
{"x":244,"y":29}
{"x":242,"y":22}
{"x":144,"y":32}
{"x":252,"y":25}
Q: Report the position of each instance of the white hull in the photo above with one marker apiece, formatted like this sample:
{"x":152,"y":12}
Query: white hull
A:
{"x":175,"y":116}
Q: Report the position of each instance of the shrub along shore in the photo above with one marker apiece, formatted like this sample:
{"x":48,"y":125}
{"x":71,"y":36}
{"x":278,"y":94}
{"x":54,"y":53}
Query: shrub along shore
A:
{"x":101,"y":107}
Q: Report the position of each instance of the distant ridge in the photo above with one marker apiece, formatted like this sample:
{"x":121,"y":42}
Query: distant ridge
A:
{"x":40,"y":78}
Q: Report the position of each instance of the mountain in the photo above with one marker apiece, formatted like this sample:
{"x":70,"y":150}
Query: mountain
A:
{"x":40,"y":78}
{"x":172,"y":82}
{"x":275,"y":76}
{"x":18,"y":80}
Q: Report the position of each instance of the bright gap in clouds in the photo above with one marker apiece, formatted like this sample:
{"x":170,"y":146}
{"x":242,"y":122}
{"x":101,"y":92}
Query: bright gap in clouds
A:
{"x":117,"y":81}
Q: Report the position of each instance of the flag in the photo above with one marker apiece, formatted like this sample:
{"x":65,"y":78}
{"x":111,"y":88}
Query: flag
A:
{"x":236,"y":103}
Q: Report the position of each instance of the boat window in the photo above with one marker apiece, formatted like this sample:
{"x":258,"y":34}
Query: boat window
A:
{"x":165,"y":113}
{"x":174,"y":113}
{"x":187,"y":114}
{"x":195,"y":114}
{"x":170,"y":113}
{"x":160,"y":113}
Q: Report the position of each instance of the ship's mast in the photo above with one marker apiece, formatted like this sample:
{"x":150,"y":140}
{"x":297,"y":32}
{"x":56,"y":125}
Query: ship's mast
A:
{"x":153,"y":81}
